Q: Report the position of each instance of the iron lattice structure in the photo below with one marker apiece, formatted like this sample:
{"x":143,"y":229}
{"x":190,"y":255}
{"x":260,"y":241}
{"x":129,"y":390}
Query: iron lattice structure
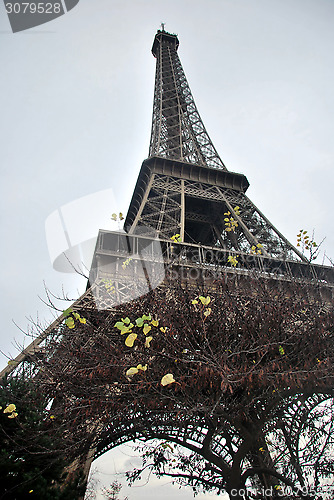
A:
{"x":184,"y":189}
{"x":177,"y":129}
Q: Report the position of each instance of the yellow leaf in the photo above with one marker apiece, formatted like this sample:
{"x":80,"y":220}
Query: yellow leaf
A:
{"x":142,"y":368}
{"x":147,"y":341}
{"x":167,"y":379}
{"x":10,"y":408}
{"x":194,"y":302}
{"x":126,"y":329}
{"x":155,"y":322}
{"x":70,"y":322}
{"x":205,"y":300}
{"x":163,"y":329}
{"x":232,"y":260}
{"x":130,"y":339}
{"x":52,"y":417}
{"x":146,"y":328}
{"x":207,"y":312}
{"x":12,"y":415}
{"x":131,"y":371}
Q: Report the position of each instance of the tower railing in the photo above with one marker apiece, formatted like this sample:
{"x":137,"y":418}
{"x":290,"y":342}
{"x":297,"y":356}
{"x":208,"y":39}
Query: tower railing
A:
{"x":202,"y":258}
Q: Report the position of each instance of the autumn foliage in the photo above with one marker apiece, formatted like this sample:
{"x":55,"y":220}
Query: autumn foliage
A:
{"x":230,"y":360}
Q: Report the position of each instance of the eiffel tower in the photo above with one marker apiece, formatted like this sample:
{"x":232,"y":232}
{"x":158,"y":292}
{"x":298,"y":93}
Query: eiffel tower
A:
{"x":184,"y":189}
{"x":189,"y":217}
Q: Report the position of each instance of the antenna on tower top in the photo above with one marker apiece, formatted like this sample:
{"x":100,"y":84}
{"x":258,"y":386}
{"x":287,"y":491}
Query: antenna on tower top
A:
{"x":163,"y":26}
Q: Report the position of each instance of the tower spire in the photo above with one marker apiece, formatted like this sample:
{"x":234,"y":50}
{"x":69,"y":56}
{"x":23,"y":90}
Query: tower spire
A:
{"x":178,"y":132}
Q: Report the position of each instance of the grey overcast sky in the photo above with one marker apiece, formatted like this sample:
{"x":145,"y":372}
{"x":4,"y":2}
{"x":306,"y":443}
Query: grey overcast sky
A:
{"x":76,"y":101}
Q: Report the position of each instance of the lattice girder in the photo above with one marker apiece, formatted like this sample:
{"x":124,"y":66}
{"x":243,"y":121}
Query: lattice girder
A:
{"x":189,"y":432}
{"x":297,"y":412}
{"x":177,"y":129}
{"x":169,"y":202}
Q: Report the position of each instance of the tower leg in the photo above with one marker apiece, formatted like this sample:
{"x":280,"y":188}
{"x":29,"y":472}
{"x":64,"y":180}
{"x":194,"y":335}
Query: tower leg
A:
{"x":80,"y":467}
